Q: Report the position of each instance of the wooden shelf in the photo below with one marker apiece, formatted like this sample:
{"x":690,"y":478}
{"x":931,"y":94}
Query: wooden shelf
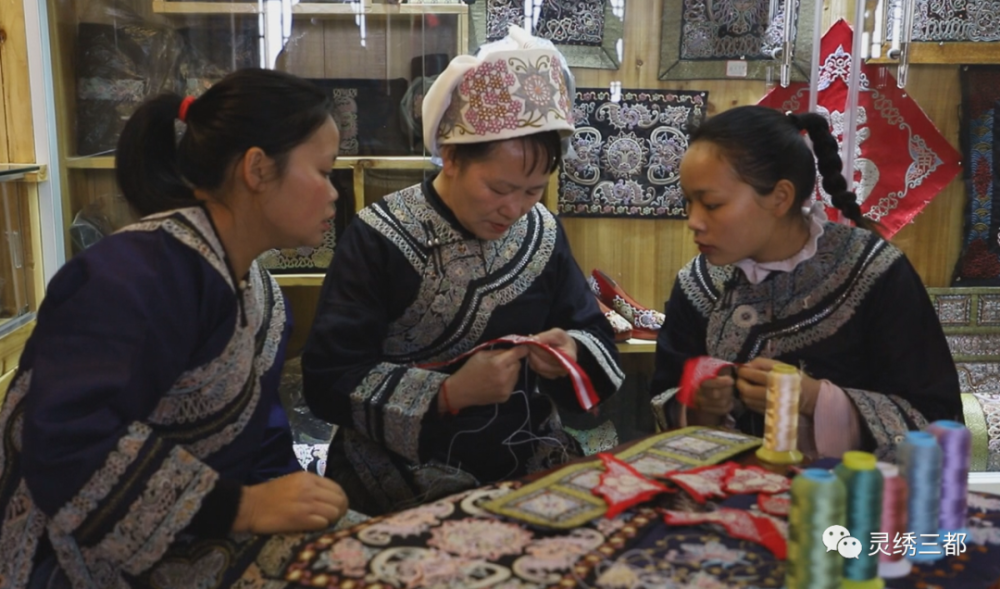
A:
{"x":637,"y":346}
{"x":394,"y":162}
{"x":313,"y":9}
{"x":944,"y":53}
{"x":102,"y":162}
{"x":299,"y":279}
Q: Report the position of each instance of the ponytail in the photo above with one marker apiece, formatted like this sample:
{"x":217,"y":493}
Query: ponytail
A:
{"x":252,"y":107}
{"x":146,"y":159}
{"x":831,"y":167}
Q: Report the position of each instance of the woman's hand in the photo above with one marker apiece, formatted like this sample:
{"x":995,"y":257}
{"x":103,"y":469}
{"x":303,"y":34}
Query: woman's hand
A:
{"x":488,"y":377}
{"x":298,"y":502}
{"x":544,"y":363}
{"x":751,"y":382}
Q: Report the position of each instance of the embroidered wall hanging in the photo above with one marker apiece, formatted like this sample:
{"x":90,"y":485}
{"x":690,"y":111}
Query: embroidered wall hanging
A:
{"x":373,"y":129}
{"x":979,"y":264}
{"x":587,"y":32}
{"x":628,"y":153}
{"x":908,"y":165}
{"x":951,"y":20}
{"x":699,"y":36}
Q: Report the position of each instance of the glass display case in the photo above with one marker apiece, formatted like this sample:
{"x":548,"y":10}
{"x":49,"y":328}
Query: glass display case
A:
{"x":110,"y":55}
{"x":17,"y":280}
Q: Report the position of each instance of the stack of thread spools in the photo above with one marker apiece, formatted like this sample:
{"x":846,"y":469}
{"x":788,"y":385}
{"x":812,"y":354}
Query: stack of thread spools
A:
{"x":868,"y":521}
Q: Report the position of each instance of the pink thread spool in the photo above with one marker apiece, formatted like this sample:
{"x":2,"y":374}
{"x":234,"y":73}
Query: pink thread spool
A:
{"x":894,"y":498}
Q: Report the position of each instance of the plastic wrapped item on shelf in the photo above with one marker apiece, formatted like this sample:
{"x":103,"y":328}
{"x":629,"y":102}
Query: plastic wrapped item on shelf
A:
{"x":373,"y":129}
{"x":213,"y":50}
{"x":121,"y":61}
{"x":424,"y":70}
{"x":89,"y":226}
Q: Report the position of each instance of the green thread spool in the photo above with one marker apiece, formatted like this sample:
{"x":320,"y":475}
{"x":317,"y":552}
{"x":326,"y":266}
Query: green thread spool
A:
{"x":819,"y":500}
{"x":863,"y":482}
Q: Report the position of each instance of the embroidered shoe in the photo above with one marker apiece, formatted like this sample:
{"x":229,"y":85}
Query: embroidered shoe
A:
{"x":646,"y":323}
{"x":621,"y":327}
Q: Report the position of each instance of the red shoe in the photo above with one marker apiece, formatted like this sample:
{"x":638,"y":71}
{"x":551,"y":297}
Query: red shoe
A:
{"x":621,"y":327}
{"x":646,"y":323}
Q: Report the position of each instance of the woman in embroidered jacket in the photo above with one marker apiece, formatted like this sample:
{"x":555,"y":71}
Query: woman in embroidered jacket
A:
{"x":777,"y":282}
{"x":429,"y":272}
{"x":143,"y":425}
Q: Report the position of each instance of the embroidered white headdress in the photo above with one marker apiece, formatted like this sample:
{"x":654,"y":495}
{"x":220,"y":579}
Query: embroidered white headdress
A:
{"x":513,"y":87}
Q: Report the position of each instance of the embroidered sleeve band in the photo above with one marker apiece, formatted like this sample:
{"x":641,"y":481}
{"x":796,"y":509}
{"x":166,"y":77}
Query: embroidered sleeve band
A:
{"x":390,"y":403}
{"x":129,"y":512}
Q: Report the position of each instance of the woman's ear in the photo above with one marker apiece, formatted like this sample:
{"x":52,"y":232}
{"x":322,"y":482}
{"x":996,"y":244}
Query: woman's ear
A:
{"x":784,"y":197}
{"x":256,"y":169}
{"x":449,"y":165}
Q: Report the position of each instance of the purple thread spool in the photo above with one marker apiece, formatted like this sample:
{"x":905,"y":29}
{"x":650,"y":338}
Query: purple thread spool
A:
{"x":956,"y":445}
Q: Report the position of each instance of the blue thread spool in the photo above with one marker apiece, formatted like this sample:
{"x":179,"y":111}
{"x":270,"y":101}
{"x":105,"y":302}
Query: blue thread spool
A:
{"x":920,"y":460}
{"x":864,"y":516}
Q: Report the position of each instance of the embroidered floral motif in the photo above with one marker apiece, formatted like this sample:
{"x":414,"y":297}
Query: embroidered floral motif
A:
{"x":950,"y":20}
{"x":301,"y":258}
{"x":622,"y":486}
{"x":754,"y":479}
{"x":503,"y":94}
{"x":884,"y":418}
{"x":422,"y":567}
{"x":600,"y":353}
{"x":739,"y":523}
{"x":628,"y":154}
{"x":475,"y":538}
{"x":345,"y":112}
{"x":412,"y":522}
{"x":704,"y":482}
{"x":731,"y":29}
{"x":347,"y":556}
{"x":778,"y":505}
{"x":953,"y":309}
{"x":573,"y":22}
{"x":500,"y":14}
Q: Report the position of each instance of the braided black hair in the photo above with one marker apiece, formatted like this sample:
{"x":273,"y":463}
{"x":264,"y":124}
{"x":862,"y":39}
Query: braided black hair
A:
{"x":765,"y":146}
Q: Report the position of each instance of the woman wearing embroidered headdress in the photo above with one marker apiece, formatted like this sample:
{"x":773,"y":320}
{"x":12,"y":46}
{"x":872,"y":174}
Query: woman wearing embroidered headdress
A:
{"x":776,"y":281}
{"x":433,"y":270}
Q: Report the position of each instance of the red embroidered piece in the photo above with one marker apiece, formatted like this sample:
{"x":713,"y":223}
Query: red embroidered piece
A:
{"x":739,"y":523}
{"x":779,"y":505}
{"x":696,"y":371}
{"x":622,"y":486}
{"x":582,"y":386}
{"x":703,"y":482}
{"x":903,"y":161}
{"x":754,"y":479}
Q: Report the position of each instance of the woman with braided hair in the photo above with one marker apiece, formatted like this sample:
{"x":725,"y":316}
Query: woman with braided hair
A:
{"x":777,"y":282}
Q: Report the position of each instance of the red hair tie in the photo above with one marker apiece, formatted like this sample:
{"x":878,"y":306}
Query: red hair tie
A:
{"x":185,"y":104}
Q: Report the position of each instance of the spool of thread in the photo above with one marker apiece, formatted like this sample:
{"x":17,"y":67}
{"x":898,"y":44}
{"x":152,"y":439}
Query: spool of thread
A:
{"x":863,"y":482}
{"x":920,"y":462}
{"x":819,"y":501}
{"x":894,"y":498}
{"x":781,"y":418}
{"x":956,"y":455}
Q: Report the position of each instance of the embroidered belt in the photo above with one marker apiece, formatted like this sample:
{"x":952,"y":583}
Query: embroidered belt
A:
{"x":582,"y":386}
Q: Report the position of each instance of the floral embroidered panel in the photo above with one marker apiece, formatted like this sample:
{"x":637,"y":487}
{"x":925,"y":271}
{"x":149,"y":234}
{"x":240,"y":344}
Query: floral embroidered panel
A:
{"x":587,"y":32}
{"x":627,"y":150}
{"x":898,"y":174}
{"x":950,"y":20}
{"x":455,"y":543}
{"x":699,"y":37}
